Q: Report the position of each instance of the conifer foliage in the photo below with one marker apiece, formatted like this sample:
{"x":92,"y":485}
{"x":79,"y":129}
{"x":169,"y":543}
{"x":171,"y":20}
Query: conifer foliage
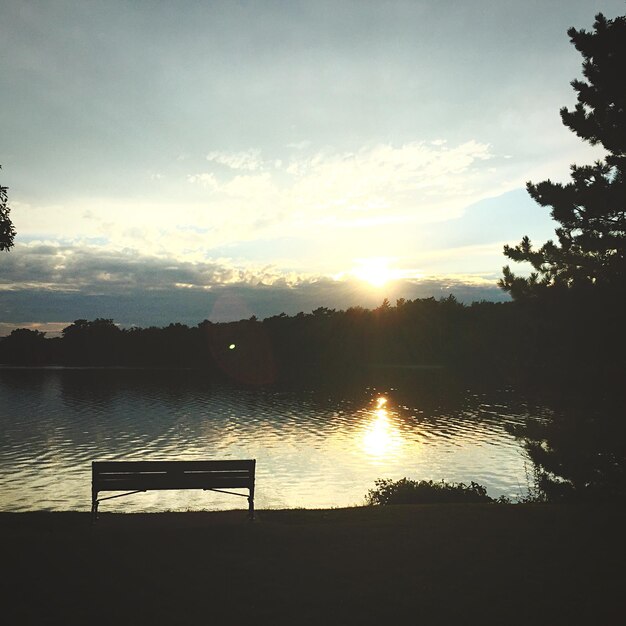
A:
{"x":590,"y":251}
{"x":7,"y":232}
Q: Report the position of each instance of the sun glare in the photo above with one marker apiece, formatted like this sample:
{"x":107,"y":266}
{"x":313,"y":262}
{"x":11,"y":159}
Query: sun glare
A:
{"x":374,"y":271}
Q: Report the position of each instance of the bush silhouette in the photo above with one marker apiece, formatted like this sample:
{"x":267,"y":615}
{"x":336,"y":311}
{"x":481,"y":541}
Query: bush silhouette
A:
{"x":407,"y":491}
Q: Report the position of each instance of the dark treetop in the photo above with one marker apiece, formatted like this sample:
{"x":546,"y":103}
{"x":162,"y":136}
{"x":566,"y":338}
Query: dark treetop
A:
{"x":590,"y":251}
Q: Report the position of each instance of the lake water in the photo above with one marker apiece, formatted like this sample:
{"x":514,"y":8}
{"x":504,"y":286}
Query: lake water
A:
{"x":313,"y":448}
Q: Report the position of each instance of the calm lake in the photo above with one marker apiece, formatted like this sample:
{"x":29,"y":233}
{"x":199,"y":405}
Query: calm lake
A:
{"x":313,"y":448}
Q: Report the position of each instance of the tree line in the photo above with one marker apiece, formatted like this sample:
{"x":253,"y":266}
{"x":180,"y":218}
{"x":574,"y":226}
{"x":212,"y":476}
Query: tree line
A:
{"x":558,"y":340}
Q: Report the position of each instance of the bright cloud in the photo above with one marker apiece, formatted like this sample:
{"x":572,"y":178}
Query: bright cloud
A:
{"x":415,"y":182}
{"x":244,"y":197}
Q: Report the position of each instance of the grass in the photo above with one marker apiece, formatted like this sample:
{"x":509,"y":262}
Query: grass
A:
{"x":430,"y":564}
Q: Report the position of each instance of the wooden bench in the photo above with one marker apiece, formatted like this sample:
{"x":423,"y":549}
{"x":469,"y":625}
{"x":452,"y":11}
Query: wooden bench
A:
{"x":137,"y":476}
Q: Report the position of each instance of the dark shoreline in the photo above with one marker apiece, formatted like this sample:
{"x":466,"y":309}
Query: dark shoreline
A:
{"x":445,"y":564}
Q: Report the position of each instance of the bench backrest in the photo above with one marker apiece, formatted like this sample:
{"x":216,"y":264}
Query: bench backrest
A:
{"x":140,"y":475}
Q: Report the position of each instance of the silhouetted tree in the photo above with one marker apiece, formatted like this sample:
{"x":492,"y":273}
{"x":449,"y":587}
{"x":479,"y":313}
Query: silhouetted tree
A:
{"x":7,"y":231}
{"x":591,"y":210}
{"x":24,"y":347}
{"x":579,"y":452}
{"x":92,"y":343}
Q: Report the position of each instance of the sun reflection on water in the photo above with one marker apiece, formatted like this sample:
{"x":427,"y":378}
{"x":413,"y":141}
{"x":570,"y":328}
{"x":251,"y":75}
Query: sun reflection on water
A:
{"x":381,"y":438}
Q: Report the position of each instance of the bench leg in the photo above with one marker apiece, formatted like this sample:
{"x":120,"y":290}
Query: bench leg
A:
{"x":94,"y":511}
{"x":251,"y":507}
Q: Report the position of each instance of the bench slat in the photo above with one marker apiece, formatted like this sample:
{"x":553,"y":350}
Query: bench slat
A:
{"x":133,"y":483}
{"x":208,"y":475}
{"x":149,"y":466}
{"x":182,"y":475}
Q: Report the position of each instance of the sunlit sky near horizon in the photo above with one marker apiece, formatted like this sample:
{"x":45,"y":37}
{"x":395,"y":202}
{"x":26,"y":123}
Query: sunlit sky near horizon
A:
{"x":176,"y":161}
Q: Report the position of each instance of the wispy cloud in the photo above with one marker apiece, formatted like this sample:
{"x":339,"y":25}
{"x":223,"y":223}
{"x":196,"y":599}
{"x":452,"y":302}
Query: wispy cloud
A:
{"x":249,"y":160}
{"x":414,"y":183}
{"x":244,"y":196}
{"x":419,"y":181}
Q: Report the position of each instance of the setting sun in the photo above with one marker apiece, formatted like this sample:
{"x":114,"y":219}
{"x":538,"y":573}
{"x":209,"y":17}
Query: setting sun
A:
{"x":374,"y":271}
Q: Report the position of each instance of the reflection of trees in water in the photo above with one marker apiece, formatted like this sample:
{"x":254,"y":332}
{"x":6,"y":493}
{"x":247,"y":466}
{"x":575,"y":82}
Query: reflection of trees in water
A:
{"x":580,"y":451}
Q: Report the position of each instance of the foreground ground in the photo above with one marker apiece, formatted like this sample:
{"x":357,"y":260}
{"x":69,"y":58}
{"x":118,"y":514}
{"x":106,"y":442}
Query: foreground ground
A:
{"x":465,"y":564}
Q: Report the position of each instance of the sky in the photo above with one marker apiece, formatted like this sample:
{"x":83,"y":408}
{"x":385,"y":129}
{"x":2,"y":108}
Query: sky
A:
{"x":181,"y":161}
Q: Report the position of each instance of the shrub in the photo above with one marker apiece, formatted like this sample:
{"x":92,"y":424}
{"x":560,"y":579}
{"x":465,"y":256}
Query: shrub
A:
{"x":406,"y":491}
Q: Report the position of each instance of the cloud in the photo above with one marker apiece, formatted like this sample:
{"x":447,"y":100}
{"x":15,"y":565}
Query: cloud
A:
{"x":51,"y":310}
{"x":46,"y":283}
{"x":57,"y":267}
{"x":52,"y":280}
{"x":269,"y":230}
{"x":313,"y":194}
{"x":416,"y":181}
{"x":248,"y":160}
{"x":245,"y":196}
